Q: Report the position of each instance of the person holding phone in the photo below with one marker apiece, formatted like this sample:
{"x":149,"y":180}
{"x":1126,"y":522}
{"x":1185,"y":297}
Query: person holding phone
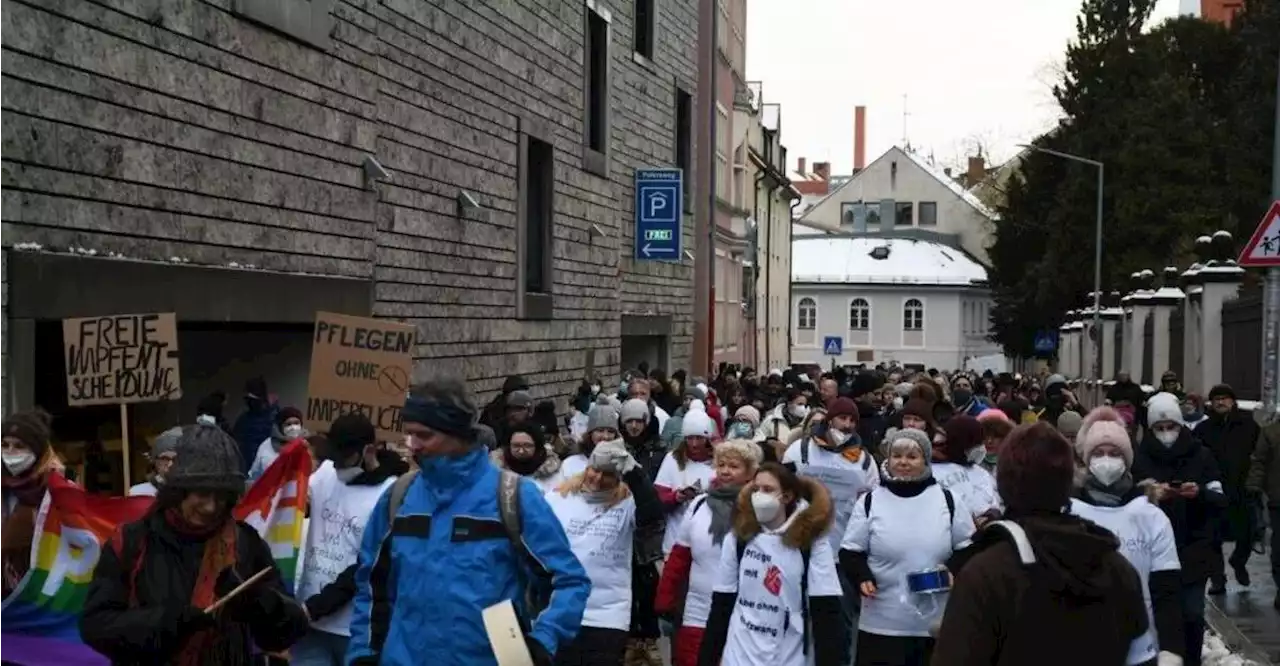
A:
{"x":1181,"y":476}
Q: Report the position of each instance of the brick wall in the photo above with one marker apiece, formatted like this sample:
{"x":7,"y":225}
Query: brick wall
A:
{"x":162,"y":129}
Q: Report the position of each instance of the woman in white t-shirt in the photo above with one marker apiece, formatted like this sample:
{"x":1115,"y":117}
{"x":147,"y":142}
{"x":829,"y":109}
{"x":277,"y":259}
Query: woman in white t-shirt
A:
{"x":526,"y":452}
{"x":692,"y":569}
{"x":907,"y":525}
{"x":1109,"y":497}
{"x":957,"y":457}
{"x":777,"y":601}
{"x":600,"y":511}
{"x":602,"y":426}
{"x":686,"y":471}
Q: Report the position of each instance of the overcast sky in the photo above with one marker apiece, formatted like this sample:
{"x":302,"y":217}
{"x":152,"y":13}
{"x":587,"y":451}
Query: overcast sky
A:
{"x":973,"y":72}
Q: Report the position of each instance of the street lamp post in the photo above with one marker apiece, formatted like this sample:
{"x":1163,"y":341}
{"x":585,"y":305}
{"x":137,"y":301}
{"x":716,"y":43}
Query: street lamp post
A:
{"x":1097,"y":256}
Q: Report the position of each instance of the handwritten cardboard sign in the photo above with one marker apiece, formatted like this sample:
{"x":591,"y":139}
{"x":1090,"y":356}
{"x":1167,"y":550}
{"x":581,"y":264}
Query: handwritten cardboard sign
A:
{"x":359,"y":364}
{"x":121,"y":359}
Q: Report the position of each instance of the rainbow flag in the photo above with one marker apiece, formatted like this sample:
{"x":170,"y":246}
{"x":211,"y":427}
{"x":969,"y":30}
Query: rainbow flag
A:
{"x":71,"y":528}
{"x":41,"y":617}
{"x":277,"y":504}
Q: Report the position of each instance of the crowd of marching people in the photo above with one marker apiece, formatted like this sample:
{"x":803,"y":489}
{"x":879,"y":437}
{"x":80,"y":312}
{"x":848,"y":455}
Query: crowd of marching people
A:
{"x":881,"y":517}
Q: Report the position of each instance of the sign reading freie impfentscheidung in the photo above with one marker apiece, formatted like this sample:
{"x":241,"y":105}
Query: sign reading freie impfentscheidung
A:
{"x":359,"y":364}
{"x":121,"y":359}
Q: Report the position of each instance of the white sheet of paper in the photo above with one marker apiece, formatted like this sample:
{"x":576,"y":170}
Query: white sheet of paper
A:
{"x":505,"y":635}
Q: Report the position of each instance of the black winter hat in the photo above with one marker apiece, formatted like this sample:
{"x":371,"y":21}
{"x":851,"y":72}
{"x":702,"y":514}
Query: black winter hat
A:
{"x":351,"y":432}
{"x":31,"y":428}
{"x":286,"y":414}
{"x":207,"y":458}
{"x":1222,"y":391}
{"x":256,"y":387}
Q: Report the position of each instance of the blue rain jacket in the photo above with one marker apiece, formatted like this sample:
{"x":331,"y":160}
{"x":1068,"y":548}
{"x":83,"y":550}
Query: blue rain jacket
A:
{"x":450,"y":559}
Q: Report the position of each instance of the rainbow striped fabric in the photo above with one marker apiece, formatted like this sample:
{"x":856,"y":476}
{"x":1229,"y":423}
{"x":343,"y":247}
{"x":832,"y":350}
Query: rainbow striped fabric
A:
{"x":41,"y":616}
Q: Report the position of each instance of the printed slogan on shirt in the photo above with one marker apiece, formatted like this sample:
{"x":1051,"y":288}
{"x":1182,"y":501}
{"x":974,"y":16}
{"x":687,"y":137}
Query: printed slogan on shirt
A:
{"x":121,"y":359}
{"x":359,"y":364}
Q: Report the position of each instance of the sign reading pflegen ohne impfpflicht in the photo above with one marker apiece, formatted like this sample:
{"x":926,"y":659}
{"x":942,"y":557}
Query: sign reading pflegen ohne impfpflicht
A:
{"x":359,"y":364}
{"x":121,"y":359}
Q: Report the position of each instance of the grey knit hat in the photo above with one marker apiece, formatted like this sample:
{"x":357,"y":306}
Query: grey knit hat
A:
{"x":166,"y":442}
{"x":602,"y":415}
{"x":635,"y":410}
{"x":206,"y":459}
{"x":917,"y":438}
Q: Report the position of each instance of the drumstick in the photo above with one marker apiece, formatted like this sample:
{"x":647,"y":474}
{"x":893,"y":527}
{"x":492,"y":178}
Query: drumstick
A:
{"x":213,"y":608}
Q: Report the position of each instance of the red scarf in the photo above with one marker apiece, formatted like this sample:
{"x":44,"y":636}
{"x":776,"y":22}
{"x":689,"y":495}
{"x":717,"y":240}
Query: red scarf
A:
{"x":219,"y":553}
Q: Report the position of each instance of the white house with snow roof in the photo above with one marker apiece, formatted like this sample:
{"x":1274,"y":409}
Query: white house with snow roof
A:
{"x":901,"y":190}
{"x":920,"y":299}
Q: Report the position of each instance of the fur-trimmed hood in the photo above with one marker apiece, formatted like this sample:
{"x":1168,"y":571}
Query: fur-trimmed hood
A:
{"x":809,"y":523}
{"x":547,"y":469}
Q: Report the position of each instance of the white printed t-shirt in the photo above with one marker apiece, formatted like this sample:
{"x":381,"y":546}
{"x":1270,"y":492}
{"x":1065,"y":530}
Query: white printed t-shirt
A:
{"x":1146,"y":540}
{"x":845,"y":480}
{"x":903,"y":535}
{"x":695,"y":534}
{"x":971,"y":485}
{"x":339,"y":514}
{"x":671,"y":476}
{"x":602,"y":539}
{"x":767,"y":625}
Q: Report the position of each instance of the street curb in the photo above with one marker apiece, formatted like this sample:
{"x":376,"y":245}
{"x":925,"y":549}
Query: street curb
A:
{"x":1231,"y":635}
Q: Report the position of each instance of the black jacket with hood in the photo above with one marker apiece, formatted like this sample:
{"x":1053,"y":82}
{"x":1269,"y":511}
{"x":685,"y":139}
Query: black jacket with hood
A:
{"x":332,"y":597}
{"x":1080,"y":602}
{"x":1194,"y":520}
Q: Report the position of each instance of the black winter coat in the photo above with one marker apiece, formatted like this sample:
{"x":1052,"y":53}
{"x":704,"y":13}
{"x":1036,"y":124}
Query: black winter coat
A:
{"x":1231,"y":439}
{"x":166,"y":565}
{"x":1193,"y":520}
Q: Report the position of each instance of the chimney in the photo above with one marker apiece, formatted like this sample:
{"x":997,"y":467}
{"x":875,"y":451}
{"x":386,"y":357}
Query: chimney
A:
{"x":804,"y":164}
{"x":947,"y":171}
{"x":859,"y":137}
{"x":977,"y":170}
{"x":823,"y":170}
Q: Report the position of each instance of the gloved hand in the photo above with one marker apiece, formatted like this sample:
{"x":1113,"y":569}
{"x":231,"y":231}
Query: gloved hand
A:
{"x":192,"y":619}
{"x":539,"y":654}
{"x":240,"y":606}
{"x":613,"y":457}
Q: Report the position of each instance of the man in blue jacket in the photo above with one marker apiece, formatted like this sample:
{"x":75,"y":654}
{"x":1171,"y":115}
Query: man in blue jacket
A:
{"x":424,"y":579}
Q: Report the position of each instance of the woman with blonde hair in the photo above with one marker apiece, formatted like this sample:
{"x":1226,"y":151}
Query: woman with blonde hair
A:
{"x":601,"y":509}
{"x":692,"y":568}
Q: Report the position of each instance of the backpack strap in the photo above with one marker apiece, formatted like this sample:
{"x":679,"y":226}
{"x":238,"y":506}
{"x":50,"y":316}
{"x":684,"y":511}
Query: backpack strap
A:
{"x":1020,"y":541}
{"x":804,"y":597}
{"x":509,"y":512}
{"x":866,"y":504}
{"x":804,"y":450}
{"x":951,"y":503}
{"x":398,"y":490}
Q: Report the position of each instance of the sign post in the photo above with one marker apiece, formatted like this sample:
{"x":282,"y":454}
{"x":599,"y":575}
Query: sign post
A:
{"x":659,"y":208}
{"x":359,"y":364}
{"x":121,"y":359}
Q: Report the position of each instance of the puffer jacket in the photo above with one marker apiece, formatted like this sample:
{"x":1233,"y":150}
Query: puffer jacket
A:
{"x":422,"y":584}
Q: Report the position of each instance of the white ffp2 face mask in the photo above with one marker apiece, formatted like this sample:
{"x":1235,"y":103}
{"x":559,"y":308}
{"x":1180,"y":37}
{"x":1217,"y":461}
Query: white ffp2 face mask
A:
{"x":18,"y":463}
{"x":766,"y":505}
{"x":977,"y":454}
{"x":293,"y":431}
{"x":1167,"y":437}
{"x":1107,"y":469}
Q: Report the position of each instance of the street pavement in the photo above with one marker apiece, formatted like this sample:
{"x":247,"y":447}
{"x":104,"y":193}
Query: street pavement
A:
{"x":1245,"y":618}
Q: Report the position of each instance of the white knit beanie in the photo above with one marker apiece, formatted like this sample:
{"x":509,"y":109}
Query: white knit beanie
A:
{"x":697,"y":424}
{"x":1164,"y":407}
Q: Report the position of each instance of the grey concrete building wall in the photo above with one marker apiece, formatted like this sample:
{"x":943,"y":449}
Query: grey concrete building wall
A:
{"x":178,"y":131}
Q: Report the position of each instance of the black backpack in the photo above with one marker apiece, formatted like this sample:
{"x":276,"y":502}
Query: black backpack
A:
{"x":946,"y":494}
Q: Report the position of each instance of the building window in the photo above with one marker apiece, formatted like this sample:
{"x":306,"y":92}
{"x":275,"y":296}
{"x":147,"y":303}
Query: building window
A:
{"x":928,"y":213}
{"x":913,"y":315}
{"x":808,"y":315}
{"x":859,"y":315}
{"x":873,"y":216}
{"x":537,"y":219}
{"x":596,"y":79}
{"x":645,"y":22}
{"x":684,"y":143}
{"x":902,"y":216}
{"x":724,"y":179}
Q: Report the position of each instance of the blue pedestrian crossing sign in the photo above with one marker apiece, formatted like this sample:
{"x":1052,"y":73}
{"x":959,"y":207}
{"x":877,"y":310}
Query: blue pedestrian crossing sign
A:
{"x":833,"y":345}
{"x":1046,"y":342}
{"x":659,"y":207}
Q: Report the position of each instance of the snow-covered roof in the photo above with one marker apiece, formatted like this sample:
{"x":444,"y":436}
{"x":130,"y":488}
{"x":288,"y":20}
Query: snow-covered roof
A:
{"x":844,"y":260}
{"x":969,"y":197}
{"x":1169,"y":292}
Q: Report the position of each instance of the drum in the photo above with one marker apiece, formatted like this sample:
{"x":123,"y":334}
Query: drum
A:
{"x":929,"y":581}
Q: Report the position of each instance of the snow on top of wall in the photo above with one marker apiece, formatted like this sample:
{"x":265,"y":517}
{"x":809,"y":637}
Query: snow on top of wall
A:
{"x":843,"y":260}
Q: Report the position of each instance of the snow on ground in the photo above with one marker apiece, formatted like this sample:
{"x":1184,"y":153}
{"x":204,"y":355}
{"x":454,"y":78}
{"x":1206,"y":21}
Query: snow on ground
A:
{"x":1216,"y":653}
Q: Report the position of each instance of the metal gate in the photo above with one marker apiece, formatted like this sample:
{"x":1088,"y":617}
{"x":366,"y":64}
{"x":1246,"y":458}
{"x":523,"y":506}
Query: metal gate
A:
{"x":1177,"y":333}
{"x":1242,"y":346}
{"x":1148,"y":341}
{"x":1117,"y":347}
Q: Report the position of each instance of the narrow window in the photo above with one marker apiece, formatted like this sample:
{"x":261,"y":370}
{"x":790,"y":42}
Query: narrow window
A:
{"x":646,"y":18}
{"x":808,"y":314}
{"x":597,"y":91}
{"x":537,"y":182}
{"x":859,"y":315}
{"x":903,"y":218}
{"x":928,"y":213}
{"x":913,"y":315}
{"x":684,"y":142}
